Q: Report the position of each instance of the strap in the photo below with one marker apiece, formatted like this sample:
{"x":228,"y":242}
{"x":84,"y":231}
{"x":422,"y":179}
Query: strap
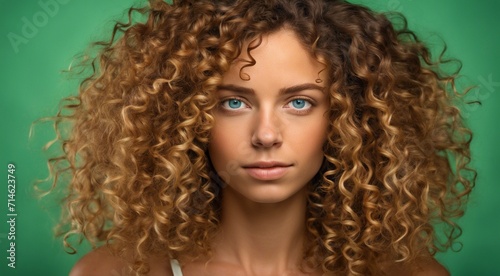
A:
{"x":176,"y":268}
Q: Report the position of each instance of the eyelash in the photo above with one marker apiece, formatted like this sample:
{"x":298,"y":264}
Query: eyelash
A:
{"x":304,"y":110}
{"x":226,"y":100}
{"x":297,"y":111}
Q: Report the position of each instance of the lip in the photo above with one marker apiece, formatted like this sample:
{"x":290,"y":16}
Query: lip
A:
{"x":267,"y":170}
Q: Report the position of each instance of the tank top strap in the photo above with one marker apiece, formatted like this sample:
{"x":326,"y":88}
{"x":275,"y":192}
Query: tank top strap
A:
{"x":176,"y":268}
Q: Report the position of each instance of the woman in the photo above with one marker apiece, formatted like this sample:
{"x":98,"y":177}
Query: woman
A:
{"x":273,"y":137}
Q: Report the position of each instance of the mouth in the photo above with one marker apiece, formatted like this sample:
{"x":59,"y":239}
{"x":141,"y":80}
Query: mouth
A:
{"x":267,"y":171}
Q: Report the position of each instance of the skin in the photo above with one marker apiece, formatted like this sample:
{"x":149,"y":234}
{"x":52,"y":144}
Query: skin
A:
{"x":277,"y":115}
{"x":263,"y":210}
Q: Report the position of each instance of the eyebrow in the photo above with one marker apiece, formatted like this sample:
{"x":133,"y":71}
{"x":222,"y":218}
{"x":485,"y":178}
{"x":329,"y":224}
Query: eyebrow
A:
{"x":286,"y":90}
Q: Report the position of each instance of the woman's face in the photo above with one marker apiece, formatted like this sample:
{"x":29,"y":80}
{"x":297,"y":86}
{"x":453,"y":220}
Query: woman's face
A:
{"x":269,"y":130}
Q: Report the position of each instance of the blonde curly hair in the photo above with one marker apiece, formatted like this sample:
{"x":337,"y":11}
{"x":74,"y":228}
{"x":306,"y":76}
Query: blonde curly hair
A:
{"x":396,"y":158}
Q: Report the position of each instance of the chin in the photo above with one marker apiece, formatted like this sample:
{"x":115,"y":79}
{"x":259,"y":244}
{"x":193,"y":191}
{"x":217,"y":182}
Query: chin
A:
{"x":270,"y":195}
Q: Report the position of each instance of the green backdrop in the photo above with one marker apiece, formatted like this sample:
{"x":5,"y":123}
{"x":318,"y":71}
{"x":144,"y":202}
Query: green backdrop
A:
{"x":38,"y":39}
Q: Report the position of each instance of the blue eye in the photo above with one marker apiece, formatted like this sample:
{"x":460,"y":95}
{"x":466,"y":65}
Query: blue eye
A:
{"x":233,"y":104}
{"x":299,"y":106}
{"x":299,"y":103}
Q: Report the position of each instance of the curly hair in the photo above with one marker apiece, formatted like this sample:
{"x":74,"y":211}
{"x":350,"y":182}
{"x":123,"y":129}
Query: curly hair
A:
{"x":396,"y":170}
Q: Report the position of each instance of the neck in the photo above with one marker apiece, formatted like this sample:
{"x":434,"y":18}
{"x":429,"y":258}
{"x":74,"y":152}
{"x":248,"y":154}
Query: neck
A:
{"x":262,"y":238}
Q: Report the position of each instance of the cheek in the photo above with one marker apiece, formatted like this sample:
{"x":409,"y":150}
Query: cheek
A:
{"x":311,"y":135}
{"x":225,"y":149}
{"x":312,"y":143}
{"x":222,"y":145}
{"x":216,"y":144}
{"x":317,"y":155}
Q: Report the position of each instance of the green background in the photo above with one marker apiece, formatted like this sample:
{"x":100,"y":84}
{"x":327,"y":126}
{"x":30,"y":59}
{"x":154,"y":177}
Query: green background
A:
{"x":32,"y":84}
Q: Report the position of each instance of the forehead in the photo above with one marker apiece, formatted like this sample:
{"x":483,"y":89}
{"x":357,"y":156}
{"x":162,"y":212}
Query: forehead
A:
{"x":277,"y":54}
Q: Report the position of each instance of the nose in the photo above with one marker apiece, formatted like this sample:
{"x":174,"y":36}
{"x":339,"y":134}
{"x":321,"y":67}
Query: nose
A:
{"x":267,"y":130}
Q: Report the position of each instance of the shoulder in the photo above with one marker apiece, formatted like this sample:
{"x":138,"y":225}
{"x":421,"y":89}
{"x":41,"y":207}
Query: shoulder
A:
{"x":102,"y":261}
{"x":430,"y":267}
{"x":423,"y":267}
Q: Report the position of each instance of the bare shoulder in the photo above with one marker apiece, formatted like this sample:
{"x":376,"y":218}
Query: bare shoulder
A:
{"x":423,"y":267}
{"x":99,"y":261}
{"x":102,"y":261}
{"x":430,"y":267}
